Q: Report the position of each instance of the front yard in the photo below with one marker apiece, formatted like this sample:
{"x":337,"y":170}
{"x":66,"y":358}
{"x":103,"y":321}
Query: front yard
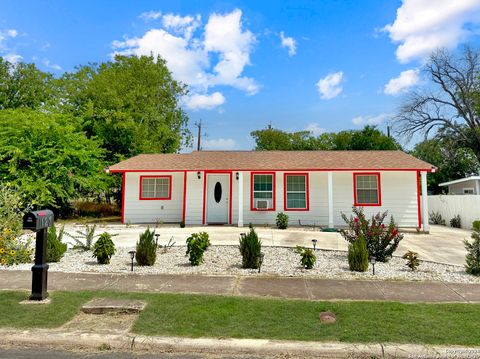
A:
{"x":232,"y":317}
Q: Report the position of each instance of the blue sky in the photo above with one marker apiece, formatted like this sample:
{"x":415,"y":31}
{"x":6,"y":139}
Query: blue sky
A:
{"x":317,"y":65}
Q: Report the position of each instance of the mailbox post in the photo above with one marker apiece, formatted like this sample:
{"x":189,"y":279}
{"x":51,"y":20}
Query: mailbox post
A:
{"x":39,"y":222}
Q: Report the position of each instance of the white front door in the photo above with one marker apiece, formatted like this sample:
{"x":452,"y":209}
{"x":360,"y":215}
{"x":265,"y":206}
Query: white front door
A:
{"x":218,"y":191}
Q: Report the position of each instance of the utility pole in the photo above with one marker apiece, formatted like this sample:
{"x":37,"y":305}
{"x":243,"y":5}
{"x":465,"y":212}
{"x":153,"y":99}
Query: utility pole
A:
{"x":199,"y":126}
{"x":388,"y":131}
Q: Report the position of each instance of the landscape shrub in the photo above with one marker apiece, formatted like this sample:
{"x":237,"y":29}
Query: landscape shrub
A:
{"x":358,"y":255}
{"x":12,"y":249}
{"x":456,"y":222}
{"x":381,"y":240}
{"x":473,"y":251}
{"x":104,"y":248}
{"x":146,"y":248}
{"x":95,"y":209}
{"x":307,"y":257}
{"x":251,"y":249}
{"x":55,"y":247}
{"x":197,"y":244}
{"x":436,"y":218}
{"x":87,"y":235}
{"x":282,"y":221}
{"x":412,"y":260}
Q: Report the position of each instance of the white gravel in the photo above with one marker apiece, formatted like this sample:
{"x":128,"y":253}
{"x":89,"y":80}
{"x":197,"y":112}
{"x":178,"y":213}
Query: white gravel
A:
{"x":279,"y":261}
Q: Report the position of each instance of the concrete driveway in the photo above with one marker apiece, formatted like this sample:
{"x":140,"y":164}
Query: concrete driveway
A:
{"x":443,"y":244}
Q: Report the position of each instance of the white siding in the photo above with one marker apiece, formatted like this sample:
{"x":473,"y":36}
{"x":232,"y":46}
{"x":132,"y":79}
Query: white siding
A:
{"x":151,"y":211}
{"x":398,"y":189}
{"x":457,"y":188}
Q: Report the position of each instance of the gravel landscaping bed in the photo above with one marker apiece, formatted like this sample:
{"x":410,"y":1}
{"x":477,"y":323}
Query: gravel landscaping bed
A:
{"x":278,"y":262}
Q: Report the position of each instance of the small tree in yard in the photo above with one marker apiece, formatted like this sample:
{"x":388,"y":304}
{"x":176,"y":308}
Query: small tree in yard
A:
{"x":473,"y":256}
{"x":146,"y":249}
{"x":382,"y":240}
{"x":197,"y":244}
{"x":358,"y":255}
{"x":251,"y":249}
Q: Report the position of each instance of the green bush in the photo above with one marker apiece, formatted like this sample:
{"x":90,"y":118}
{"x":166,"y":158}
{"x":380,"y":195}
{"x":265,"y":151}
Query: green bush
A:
{"x":251,"y":249}
{"x":358,"y":255}
{"x":104,"y":248}
{"x":55,"y":247}
{"x":381,"y":240}
{"x":308,"y":258}
{"x":412,"y":260}
{"x":456,"y":222}
{"x":436,"y":218}
{"x":282,"y":221}
{"x":12,"y":249}
{"x":146,"y":248}
{"x":197,"y":244}
{"x":473,"y":251}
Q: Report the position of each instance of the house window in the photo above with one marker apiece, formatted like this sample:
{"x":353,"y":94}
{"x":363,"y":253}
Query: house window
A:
{"x":263,"y":191}
{"x":468,"y":191}
{"x":296,"y":191}
{"x":367,"y":189}
{"x":155,"y":187}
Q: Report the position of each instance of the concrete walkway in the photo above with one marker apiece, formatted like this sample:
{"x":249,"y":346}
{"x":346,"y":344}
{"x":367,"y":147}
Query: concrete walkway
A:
{"x":443,"y":244}
{"x":277,"y":287}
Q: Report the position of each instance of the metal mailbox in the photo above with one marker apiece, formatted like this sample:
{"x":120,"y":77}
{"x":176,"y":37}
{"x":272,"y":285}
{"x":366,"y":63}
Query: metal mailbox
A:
{"x":38,"y":220}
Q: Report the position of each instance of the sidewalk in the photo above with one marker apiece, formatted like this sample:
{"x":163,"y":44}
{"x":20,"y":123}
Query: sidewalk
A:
{"x":277,"y":287}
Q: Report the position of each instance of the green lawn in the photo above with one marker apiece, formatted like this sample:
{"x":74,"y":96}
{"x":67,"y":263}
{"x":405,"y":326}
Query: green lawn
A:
{"x":217,"y":316}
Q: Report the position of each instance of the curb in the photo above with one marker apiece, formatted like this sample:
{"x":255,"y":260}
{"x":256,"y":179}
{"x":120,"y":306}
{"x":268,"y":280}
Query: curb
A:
{"x":258,"y":347}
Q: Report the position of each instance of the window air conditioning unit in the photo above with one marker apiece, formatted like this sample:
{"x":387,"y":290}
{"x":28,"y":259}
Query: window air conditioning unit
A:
{"x":262,"y":204}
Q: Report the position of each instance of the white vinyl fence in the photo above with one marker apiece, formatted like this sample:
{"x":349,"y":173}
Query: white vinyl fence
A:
{"x":467,"y":206}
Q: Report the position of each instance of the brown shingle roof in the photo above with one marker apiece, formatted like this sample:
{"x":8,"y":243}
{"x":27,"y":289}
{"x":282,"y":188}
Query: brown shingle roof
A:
{"x":273,"y":160}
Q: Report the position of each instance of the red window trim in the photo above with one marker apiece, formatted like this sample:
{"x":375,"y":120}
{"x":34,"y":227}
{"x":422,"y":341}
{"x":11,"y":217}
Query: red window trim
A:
{"x":307,"y":191}
{"x":156,"y":198}
{"x":355,"y":203}
{"x":274,"y":191}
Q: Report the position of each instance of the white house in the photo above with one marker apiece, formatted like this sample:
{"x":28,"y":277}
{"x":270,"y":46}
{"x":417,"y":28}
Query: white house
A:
{"x":238,"y":187}
{"x":468,"y":185}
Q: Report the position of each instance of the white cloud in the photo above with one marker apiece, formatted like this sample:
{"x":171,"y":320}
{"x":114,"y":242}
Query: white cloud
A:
{"x":150,"y":15}
{"x":315,"y":129}
{"x":403,"y":82}
{"x":200,"y":57}
{"x":224,"y":35}
{"x":422,"y":26}
{"x":371,"y":120}
{"x":219,"y":144}
{"x":12,"y":33}
{"x":183,"y":25}
{"x":330,"y":86}
{"x":48,"y":64}
{"x":289,"y":43}
{"x":12,"y":58}
{"x":206,"y":102}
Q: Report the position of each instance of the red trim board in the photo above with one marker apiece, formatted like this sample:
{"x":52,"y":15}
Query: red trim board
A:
{"x":169,"y":177}
{"x":205,"y":174}
{"x":274,"y":191}
{"x":307,"y":191}
{"x":355,"y":203}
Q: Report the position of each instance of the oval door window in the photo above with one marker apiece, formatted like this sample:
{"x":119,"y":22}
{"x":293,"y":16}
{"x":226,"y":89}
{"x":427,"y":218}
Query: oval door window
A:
{"x":217,"y":192}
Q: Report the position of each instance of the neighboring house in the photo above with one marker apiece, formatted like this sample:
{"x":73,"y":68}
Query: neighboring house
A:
{"x":241,"y":187}
{"x":468,"y":185}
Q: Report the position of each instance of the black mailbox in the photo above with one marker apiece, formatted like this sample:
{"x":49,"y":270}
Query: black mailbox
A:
{"x":38,"y":220}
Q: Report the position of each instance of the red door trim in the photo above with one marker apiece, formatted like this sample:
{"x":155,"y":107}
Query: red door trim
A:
{"x":205,"y":174}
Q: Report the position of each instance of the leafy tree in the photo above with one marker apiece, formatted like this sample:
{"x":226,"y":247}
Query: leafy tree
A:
{"x":448,"y":108}
{"x":452,"y":162}
{"x":47,"y":158}
{"x":130,"y":104}
{"x":369,"y":138}
{"x":22,"y":85}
